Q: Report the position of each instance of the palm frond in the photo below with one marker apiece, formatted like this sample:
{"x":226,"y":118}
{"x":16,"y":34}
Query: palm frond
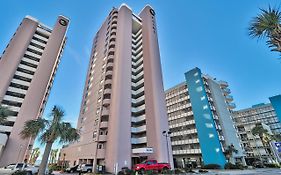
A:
{"x":33,"y":127}
{"x":57,"y":114}
{"x":46,"y":136}
{"x":67,"y":133}
{"x":265,"y":23}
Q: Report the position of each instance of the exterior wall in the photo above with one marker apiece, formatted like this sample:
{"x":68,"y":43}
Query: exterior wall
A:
{"x":201,"y":124}
{"x":225,"y":119}
{"x":156,"y":112}
{"x":253,"y":145}
{"x":208,"y":137}
{"x":246,"y":119}
{"x":36,"y":96}
{"x":118,"y":151}
{"x":264,"y":113}
{"x":276,"y":104}
{"x":184,"y":137}
{"x":109,"y":110}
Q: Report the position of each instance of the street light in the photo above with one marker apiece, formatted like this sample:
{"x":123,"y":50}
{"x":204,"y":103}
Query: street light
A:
{"x":167,"y":134}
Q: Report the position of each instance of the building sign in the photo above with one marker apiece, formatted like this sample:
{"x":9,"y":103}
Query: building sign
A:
{"x":278,"y":146}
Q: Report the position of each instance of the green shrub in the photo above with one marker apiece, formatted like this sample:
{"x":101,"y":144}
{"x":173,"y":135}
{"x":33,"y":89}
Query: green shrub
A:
{"x":20,"y":173}
{"x":233,"y":166}
{"x":211,"y":166}
{"x":179,"y":171}
{"x":55,"y":167}
{"x":271,"y":165}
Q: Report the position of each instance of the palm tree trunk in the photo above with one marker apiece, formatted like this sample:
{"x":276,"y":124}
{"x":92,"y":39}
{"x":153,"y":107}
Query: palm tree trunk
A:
{"x":45,"y":157}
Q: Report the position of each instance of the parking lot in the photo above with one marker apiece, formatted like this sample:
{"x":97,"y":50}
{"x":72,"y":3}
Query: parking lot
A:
{"x":262,"y":171}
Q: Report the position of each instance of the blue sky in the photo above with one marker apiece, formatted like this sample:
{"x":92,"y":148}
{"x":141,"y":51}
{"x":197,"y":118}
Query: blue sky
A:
{"x":211,"y":35}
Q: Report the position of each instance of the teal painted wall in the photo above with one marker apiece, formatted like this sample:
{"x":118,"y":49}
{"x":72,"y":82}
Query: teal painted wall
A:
{"x":208,"y":136}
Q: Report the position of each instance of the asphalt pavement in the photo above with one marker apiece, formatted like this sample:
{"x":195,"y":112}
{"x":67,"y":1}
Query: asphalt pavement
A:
{"x":261,"y":171}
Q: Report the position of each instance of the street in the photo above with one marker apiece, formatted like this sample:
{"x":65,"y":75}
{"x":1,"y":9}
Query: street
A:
{"x":262,"y":171}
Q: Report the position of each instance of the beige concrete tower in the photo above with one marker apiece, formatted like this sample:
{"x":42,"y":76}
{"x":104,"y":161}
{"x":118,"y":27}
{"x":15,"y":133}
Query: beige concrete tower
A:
{"x":123,"y":112}
{"x":27,"y":70}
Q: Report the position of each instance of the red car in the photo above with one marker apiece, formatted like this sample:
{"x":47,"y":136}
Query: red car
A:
{"x":151,"y":165}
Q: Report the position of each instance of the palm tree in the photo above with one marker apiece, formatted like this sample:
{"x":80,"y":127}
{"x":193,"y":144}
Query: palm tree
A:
{"x":229,"y":152}
{"x":264,"y":136}
{"x":34,"y":155}
{"x":267,"y":25}
{"x":4,"y":113}
{"x":50,"y":131}
{"x":53,"y":155}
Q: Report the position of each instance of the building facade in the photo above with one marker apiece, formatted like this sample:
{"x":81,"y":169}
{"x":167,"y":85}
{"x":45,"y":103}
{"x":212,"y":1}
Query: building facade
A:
{"x":199,"y":112}
{"x":123,"y":112}
{"x":246,"y":119}
{"x":27,"y":70}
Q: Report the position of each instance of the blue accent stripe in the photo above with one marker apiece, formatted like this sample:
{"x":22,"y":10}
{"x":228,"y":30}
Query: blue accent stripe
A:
{"x":208,"y":137}
{"x":276,"y":104}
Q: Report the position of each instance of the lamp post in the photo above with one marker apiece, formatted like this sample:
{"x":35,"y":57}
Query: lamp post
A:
{"x":167,"y":134}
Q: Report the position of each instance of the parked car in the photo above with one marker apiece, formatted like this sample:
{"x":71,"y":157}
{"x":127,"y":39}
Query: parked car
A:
{"x":72,"y":169}
{"x":32,"y":170}
{"x":85,"y":168}
{"x":12,"y":168}
{"x":152,"y":165}
{"x":258,"y":164}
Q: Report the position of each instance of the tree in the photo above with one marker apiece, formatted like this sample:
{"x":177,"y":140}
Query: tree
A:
{"x":50,"y":131}
{"x":4,"y":113}
{"x":265,"y":137}
{"x":267,"y":25}
{"x":53,"y":155}
{"x":230,"y":149}
{"x":34,"y":155}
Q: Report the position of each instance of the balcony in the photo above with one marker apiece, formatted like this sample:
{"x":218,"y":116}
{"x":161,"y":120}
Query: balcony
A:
{"x":108,"y":81}
{"x":25,"y":75}
{"x":3,"y":139}
{"x":138,"y":129}
{"x":100,"y":153}
{"x":27,"y":67}
{"x":17,"y":81}
{"x":231,"y":105}
{"x":108,"y":73}
{"x":6,"y":128}
{"x":138,"y":83}
{"x":17,"y":90}
{"x":138,"y":109}
{"x":102,"y":138}
{"x":141,"y":98}
{"x":229,"y":98}
{"x":106,"y":102}
{"x":186,"y":141}
{"x":226,"y":91}
{"x":30,"y":61}
{"x":223,"y":84}
{"x":104,"y":124}
{"x":138,"y":119}
{"x":138,"y":140}
{"x":11,"y":98}
{"x":107,"y":91}
{"x":138,"y":91}
{"x":105,"y":112}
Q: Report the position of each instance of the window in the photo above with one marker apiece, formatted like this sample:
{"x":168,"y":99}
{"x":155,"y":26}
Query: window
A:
{"x":28,"y":64}
{"x":22,"y":78}
{"x":34,"y":51}
{"x":19,"y":86}
{"x":25,"y":71}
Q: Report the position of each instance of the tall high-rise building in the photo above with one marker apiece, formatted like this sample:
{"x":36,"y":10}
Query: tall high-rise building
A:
{"x":27,"y":70}
{"x":123,"y":112}
{"x":269,"y":115}
{"x":199,"y":112}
